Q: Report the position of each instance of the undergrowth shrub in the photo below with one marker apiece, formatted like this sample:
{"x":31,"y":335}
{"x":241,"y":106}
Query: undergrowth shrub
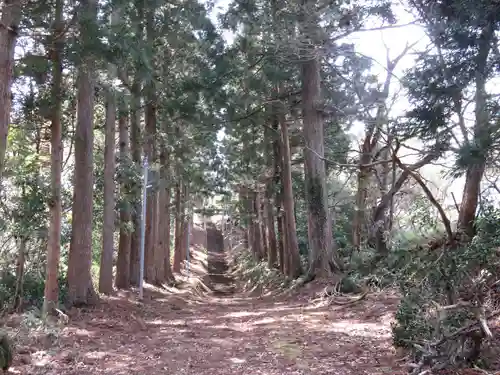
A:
{"x":458,"y":276}
{"x":252,"y":273}
{"x":33,"y":289}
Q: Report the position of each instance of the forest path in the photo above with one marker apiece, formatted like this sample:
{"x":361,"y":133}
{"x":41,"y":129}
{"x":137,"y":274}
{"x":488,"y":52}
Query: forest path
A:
{"x":220,"y":335}
{"x":221,"y":282}
{"x":217,"y":333}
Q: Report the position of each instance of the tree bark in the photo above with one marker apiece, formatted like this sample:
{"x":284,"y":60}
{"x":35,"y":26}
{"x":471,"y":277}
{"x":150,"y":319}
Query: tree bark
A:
{"x":292,"y":256}
{"x":11,"y":17}
{"x":322,"y":261}
{"x":178,"y":228}
{"x":18,"y":294}
{"x":135,"y":138}
{"x":164,"y":216}
{"x":475,"y":171}
{"x":263,"y":226}
{"x":81,"y":291}
{"x":124,"y":246}
{"x":152,"y":197}
{"x":51,"y":292}
{"x":108,"y":229}
{"x":272,"y":257}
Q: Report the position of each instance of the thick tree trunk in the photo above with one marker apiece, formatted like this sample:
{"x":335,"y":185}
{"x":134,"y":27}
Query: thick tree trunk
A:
{"x":151,"y":200}
{"x":263,"y":225}
{"x":256,"y":228}
{"x":108,"y":229}
{"x":18,"y":294}
{"x":151,"y":240}
{"x":278,"y":199}
{"x":51,"y":292}
{"x":475,"y":171}
{"x":294,"y":268}
{"x":81,"y":291}
{"x":164,"y":216}
{"x":272,"y":257}
{"x":11,"y":17}
{"x":135,"y":146}
{"x":281,"y":241}
{"x":178,"y":228}
{"x":322,"y":262}
{"x":124,"y":246}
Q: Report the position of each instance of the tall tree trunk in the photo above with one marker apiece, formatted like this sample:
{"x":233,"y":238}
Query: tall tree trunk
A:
{"x":278,"y":171}
{"x":185,"y":222}
{"x":11,"y":17}
{"x":151,"y":199}
{"x":108,"y":229}
{"x":373,"y":133}
{"x":292,"y":245}
{"x":281,"y":241}
{"x":272,"y":257}
{"x":164,"y":215}
{"x":135,"y":146}
{"x":178,"y":227}
{"x":18,"y":294}
{"x":51,"y":292}
{"x":256,"y":228}
{"x":124,"y":246}
{"x":322,"y":262}
{"x":475,"y":171}
{"x":263,"y":226}
{"x":151,"y":242}
{"x":81,"y":291}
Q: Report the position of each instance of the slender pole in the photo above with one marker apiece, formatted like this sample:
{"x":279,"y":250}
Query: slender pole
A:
{"x":143,"y":227}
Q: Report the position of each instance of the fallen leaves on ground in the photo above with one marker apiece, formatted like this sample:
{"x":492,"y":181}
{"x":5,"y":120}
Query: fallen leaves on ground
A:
{"x":231,"y":335}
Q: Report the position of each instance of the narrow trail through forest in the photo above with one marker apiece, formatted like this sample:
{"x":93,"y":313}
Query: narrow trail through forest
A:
{"x":217,"y":333}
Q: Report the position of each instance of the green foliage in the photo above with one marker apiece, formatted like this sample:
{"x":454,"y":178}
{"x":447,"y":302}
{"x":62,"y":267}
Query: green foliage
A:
{"x":439,"y":275}
{"x":33,"y":289}
{"x":254,"y":274}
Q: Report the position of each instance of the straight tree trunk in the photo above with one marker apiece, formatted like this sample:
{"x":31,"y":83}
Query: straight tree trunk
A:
{"x":272,"y":256}
{"x":290,"y":230}
{"x":51,"y":292}
{"x":108,"y":230}
{"x":150,"y":256}
{"x":164,"y":216}
{"x":322,"y":262}
{"x":18,"y":294}
{"x":81,"y":291}
{"x":151,"y":199}
{"x":278,"y":171}
{"x":475,"y":171}
{"x":11,"y":17}
{"x":178,"y":227}
{"x":257,"y":233}
{"x":263,"y":226}
{"x":124,"y":246}
{"x":135,"y":146}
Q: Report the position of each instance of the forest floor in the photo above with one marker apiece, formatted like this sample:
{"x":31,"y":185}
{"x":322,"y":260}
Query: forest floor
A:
{"x":187,"y":331}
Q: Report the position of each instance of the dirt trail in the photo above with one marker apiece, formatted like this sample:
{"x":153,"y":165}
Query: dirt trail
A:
{"x":221,"y":283}
{"x":218,"y":334}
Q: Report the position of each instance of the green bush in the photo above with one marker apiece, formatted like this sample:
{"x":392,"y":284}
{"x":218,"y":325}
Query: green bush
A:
{"x":435,"y":276}
{"x":33,"y":289}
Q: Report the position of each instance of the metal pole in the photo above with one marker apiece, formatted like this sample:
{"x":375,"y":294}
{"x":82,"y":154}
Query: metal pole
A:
{"x":143,"y":227}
